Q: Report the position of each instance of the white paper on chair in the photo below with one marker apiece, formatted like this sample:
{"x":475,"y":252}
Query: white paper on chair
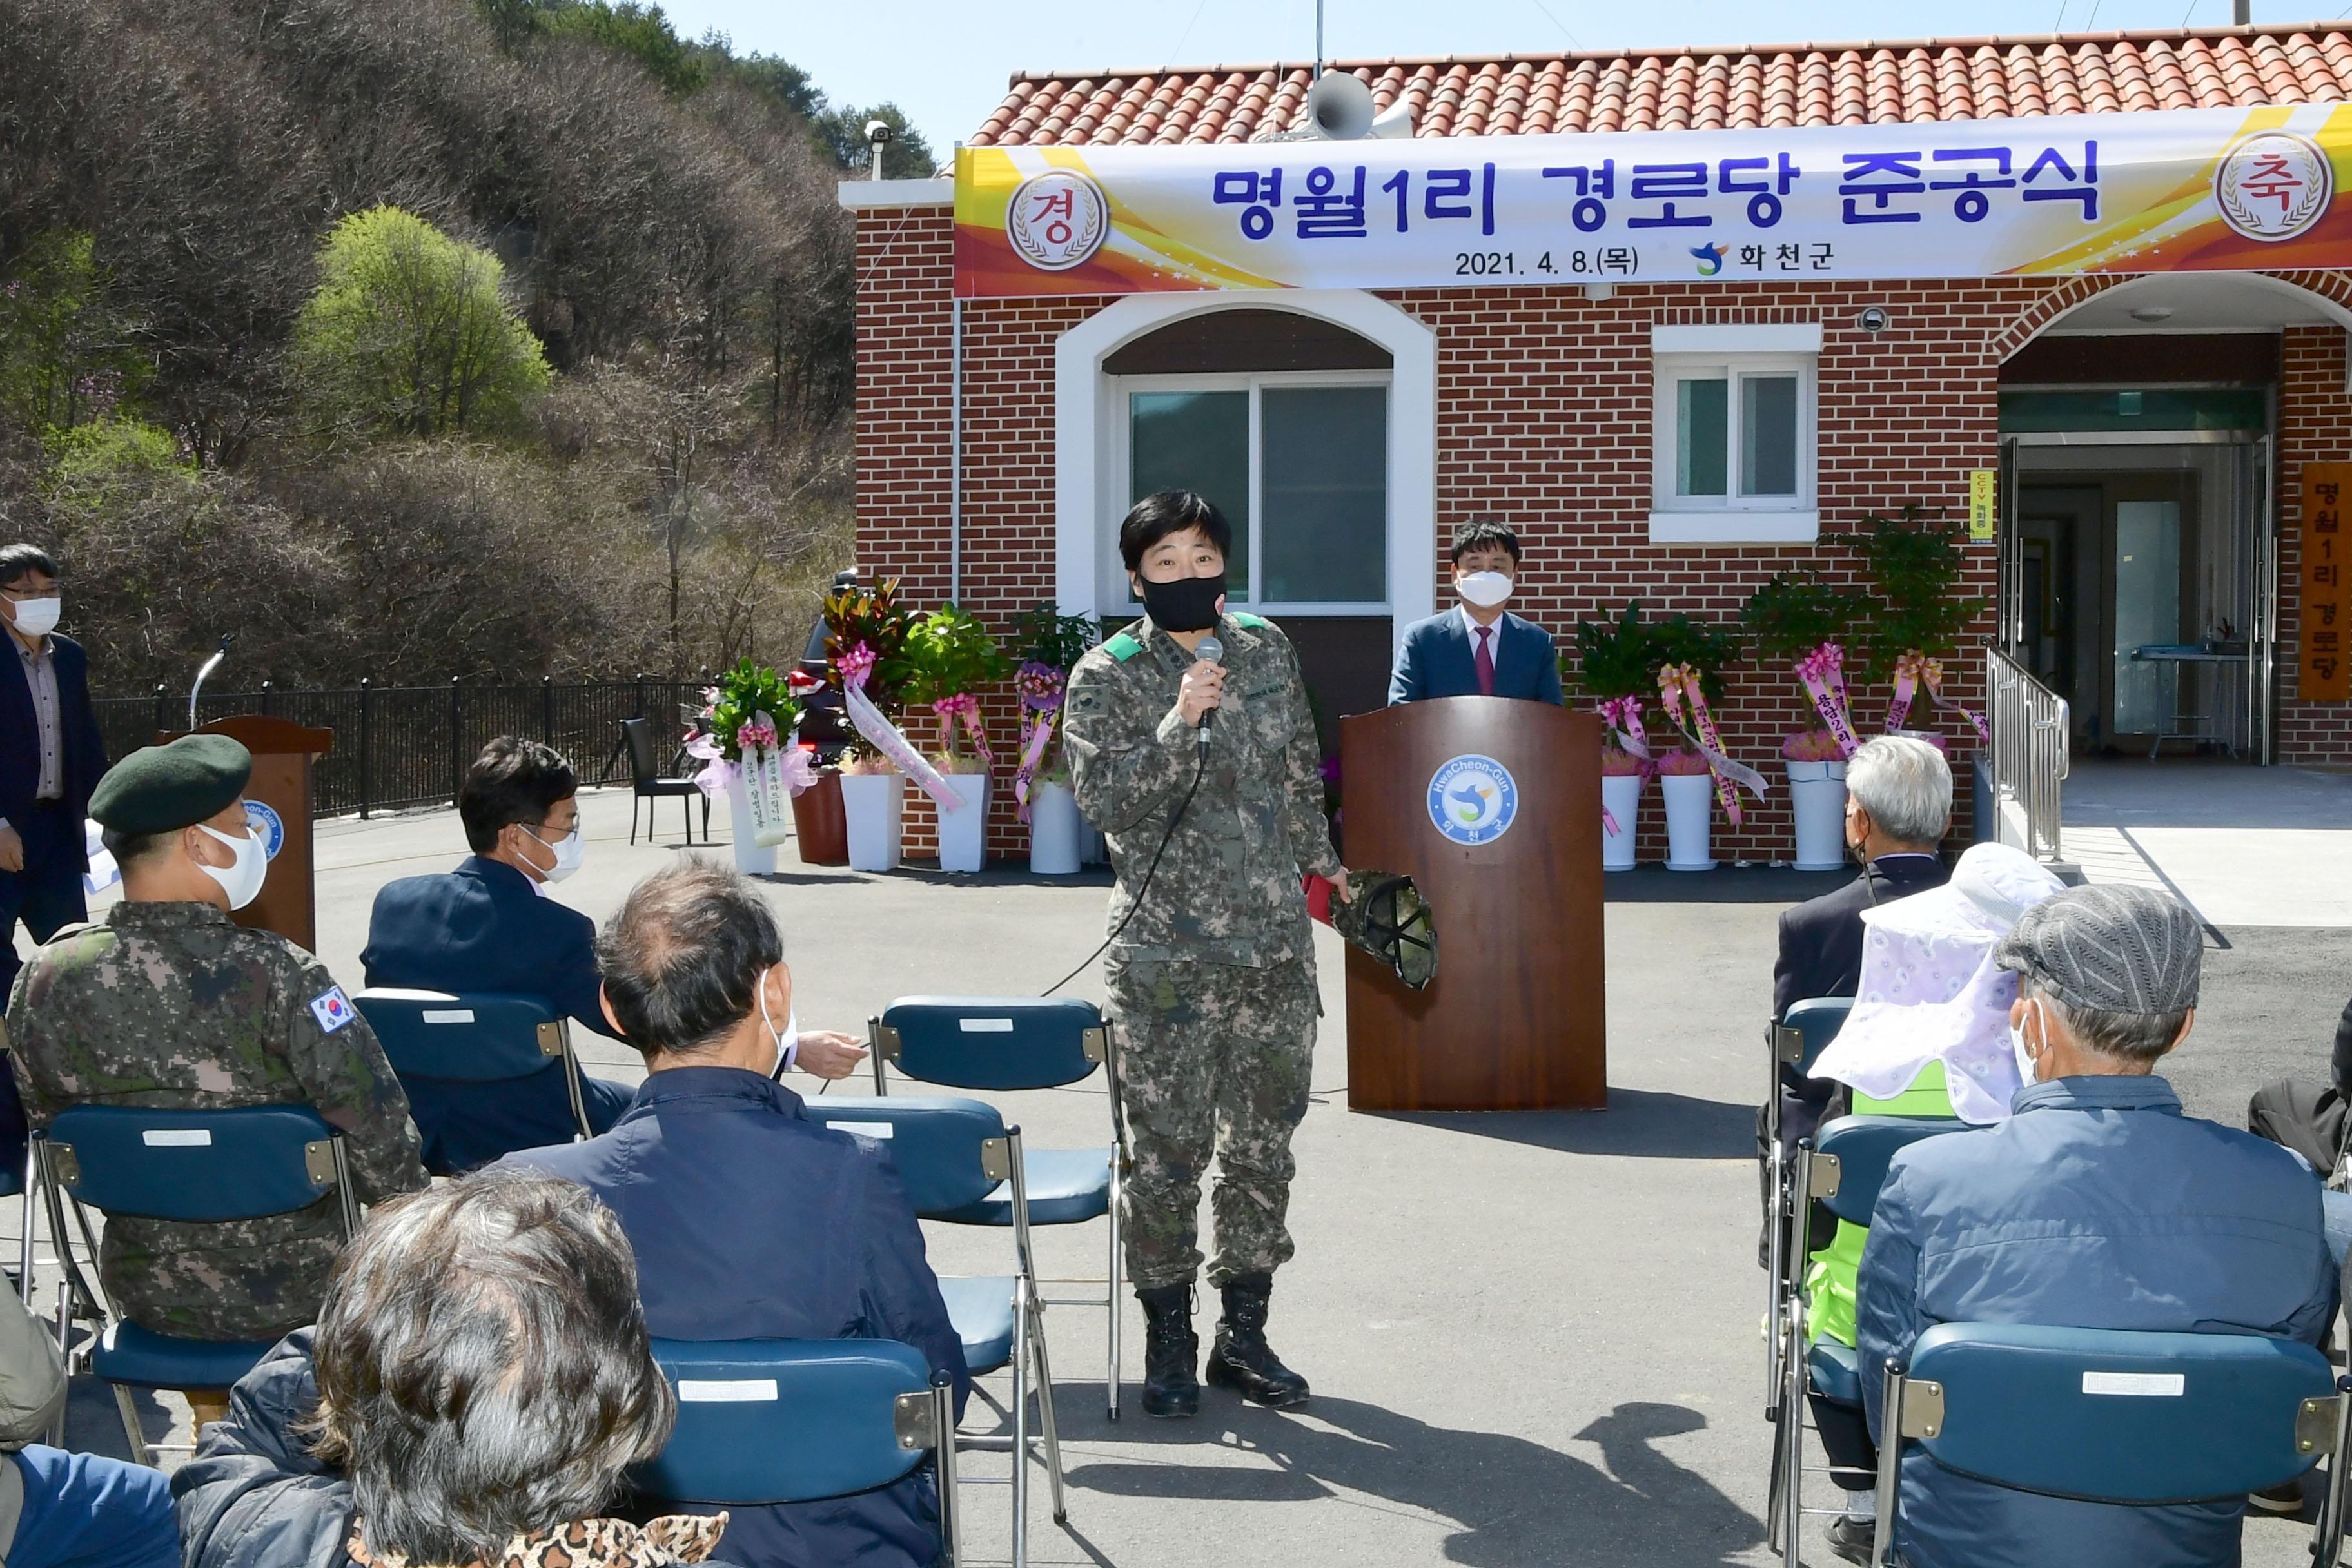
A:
{"x":727,"y":1391}
{"x":2140,"y":1385}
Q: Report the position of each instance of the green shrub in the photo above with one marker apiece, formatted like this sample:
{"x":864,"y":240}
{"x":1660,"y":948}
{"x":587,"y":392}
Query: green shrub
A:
{"x":407,"y":333}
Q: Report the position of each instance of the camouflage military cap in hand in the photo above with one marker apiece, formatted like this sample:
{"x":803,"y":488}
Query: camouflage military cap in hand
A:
{"x":1388,"y":919}
{"x":161,"y":789}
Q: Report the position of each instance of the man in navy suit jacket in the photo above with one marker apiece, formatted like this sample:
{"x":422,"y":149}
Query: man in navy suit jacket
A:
{"x":50,"y":759}
{"x":1478,"y":649}
{"x":751,"y":1219}
{"x":488,"y":926}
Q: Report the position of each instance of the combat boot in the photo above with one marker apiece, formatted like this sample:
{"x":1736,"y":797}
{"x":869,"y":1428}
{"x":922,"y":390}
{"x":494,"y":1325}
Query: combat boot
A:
{"x":1241,"y":1358}
{"x":1171,"y":1352}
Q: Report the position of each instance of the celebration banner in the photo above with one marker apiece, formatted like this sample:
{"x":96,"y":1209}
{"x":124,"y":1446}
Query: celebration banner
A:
{"x":2159,"y":191}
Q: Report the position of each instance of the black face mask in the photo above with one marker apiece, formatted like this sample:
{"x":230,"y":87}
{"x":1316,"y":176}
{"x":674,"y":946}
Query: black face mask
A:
{"x":1186,"y":605}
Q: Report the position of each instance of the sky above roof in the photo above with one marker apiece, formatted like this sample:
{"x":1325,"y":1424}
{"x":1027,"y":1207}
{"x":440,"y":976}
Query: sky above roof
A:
{"x":947,"y":65}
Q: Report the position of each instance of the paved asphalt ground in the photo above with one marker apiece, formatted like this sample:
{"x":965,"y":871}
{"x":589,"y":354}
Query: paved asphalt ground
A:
{"x":1533,"y":1338}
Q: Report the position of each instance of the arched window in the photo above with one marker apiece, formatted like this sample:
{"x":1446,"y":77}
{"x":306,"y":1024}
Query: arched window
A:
{"x":1282,"y":420}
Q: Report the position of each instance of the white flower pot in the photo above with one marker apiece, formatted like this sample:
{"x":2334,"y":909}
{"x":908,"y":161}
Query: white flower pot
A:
{"x":963,"y":833}
{"x":1621,"y":796}
{"x":752,"y":858}
{"x":874,"y":806}
{"x":1056,"y":831}
{"x":1817,"y":792}
{"x":1690,"y":821}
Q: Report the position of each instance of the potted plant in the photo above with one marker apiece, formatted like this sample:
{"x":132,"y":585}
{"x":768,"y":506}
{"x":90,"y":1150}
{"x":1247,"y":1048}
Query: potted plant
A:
{"x":866,"y":651}
{"x":1918,"y":564}
{"x":950,"y":656}
{"x":1687,"y":784}
{"x":1801,"y":620}
{"x":1691,"y":658}
{"x":1052,"y":645}
{"x":819,"y":829}
{"x":744,"y":735}
{"x":1616,"y":663}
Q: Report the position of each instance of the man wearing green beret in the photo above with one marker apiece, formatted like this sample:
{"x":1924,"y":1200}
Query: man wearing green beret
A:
{"x":170,"y":1003}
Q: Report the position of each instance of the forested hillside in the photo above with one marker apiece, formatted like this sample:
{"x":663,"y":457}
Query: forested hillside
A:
{"x":415,"y":338}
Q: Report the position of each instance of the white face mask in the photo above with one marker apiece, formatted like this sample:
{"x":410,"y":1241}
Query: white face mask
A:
{"x":2025,"y":1062}
{"x":569,"y":850}
{"x":788,"y":1040}
{"x":241,"y":881}
{"x":38,"y":617}
{"x":1483,"y":589}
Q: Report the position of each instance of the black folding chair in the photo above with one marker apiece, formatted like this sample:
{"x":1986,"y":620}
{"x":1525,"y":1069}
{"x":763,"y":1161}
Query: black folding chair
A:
{"x":649,"y":784}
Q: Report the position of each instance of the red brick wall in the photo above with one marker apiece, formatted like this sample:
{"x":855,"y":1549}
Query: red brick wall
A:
{"x":1544,"y":418}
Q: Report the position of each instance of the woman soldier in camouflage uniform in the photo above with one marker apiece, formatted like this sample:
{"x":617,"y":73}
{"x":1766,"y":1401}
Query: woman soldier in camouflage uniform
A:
{"x":1212,"y":972}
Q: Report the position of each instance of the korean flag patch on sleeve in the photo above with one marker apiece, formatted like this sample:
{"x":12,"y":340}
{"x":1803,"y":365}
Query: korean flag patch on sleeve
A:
{"x":333,"y":1010}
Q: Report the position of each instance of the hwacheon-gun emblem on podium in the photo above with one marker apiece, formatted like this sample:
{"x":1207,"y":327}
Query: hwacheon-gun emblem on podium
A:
{"x":1473,"y":799}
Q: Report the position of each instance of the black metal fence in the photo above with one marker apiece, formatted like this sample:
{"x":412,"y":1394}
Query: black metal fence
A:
{"x":399,"y":746}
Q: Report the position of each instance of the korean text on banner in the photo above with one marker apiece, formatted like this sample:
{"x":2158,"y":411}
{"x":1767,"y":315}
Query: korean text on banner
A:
{"x":2324,"y":672}
{"x":2154,"y":191}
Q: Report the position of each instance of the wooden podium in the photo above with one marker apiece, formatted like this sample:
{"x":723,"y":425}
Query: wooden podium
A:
{"x":1516,"y":1019}
{"x":283,"y":752}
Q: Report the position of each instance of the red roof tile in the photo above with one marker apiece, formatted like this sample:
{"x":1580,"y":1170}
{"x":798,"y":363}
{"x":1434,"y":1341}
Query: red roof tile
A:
{"x":1750,"y":86}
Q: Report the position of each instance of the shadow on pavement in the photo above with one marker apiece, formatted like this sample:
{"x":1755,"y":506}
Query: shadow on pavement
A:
{"x":1644,"y":1123}
{"x":1727,"y":884}
{"x":1513,"y":1503}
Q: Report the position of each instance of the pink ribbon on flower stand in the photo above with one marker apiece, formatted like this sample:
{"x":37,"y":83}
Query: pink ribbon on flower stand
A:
{"x":1680,"y":682}
{"x":1041,"y":687}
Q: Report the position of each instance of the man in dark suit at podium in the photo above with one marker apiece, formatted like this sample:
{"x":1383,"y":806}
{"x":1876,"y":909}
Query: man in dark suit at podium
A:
{"x":1478,"y":649}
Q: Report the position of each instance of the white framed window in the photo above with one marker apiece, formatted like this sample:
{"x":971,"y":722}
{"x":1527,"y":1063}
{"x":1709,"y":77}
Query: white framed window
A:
{"x":1733,"y":429}
{"x":1298,"y":461}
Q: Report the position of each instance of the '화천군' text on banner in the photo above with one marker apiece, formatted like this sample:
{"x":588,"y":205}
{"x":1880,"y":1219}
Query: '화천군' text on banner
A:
{"x":2158,"y":190}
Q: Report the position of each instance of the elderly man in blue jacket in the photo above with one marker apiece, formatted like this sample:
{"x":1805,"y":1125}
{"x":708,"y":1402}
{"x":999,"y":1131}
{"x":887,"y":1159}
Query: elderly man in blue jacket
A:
{"x":2096,"y":1205}
{"x":750,"y":1220}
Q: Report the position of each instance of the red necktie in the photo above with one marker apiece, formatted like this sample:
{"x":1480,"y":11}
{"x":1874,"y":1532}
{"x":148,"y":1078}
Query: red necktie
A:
{"x":1485,"y":660}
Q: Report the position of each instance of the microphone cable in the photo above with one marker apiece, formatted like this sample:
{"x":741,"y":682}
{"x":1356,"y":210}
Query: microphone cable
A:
{"x":1200,"y":768}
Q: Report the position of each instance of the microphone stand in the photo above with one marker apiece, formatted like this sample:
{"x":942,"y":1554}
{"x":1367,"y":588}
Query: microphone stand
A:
{"x":210,"y":665}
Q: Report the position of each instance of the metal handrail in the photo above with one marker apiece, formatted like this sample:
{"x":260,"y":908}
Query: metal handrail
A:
{"x":2032,"y":734}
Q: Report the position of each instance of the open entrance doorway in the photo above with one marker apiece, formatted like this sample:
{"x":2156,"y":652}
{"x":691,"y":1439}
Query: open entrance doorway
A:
{"x":2138,"y":568}
{"x":2138,"y":546}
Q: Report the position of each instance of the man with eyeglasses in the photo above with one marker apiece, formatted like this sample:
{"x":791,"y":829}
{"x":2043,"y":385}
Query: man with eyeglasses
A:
{"x":489,"y":926}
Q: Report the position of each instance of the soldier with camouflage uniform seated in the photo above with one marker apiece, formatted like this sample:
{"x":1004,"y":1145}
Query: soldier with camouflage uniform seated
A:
{"x":170,"y":1003}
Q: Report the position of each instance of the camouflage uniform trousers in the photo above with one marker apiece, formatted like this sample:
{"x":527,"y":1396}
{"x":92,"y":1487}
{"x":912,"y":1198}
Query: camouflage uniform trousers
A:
{"x":1213,"y":1058}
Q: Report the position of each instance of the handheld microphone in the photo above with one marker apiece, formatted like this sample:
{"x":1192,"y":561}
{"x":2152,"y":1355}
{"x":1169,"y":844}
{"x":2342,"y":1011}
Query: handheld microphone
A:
{"x":1212,"y":650}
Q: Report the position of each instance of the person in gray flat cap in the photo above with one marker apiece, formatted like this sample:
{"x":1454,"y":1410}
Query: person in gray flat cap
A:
{"x":2097,"y":1204}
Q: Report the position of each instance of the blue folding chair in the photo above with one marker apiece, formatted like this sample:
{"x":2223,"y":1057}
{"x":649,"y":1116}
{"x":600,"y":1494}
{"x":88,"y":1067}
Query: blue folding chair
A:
{"x":952,"y":1154}
{"x":779,"y":1421}
{"x":205,"y":1167}
{"x":1797,"y":1042}
{"x":2103,"y":1415}
{"x":443,"y":1043}
{"x":1842,"y":1167}
{"x":1005,"y":1043}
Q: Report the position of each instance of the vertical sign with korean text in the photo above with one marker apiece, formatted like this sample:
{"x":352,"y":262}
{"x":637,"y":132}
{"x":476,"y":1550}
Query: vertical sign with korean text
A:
{"x":2324,"y":608}
{"x":1983,"y":515}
